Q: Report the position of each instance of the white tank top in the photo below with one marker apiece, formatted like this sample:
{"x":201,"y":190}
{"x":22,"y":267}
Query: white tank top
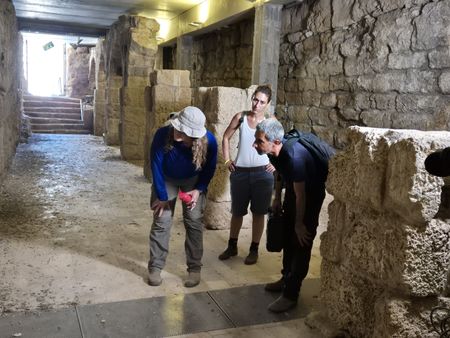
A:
{"x":247,"y":155}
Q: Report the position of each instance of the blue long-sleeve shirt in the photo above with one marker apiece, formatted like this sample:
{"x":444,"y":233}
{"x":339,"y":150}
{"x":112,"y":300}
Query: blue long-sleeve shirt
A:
{"x":177,"y":163}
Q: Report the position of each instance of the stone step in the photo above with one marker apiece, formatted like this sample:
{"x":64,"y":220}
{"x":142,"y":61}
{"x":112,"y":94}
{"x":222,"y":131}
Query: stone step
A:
{"x":50,"y":98}
{"x":31,"y":105}
{"x":72,"y":116}
{"x":46,"y":120}
{"x":62,"y":131}
{"x":52,"y":110}
{"x":54,"y":126}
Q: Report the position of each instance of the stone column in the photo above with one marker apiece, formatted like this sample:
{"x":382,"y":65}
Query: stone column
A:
{"x":10,"y":97}
{"x":170,"y":91}
{"x":100,"y":88}
{"x":139,"y":54}
{"x":220,"y":104}
{"x":266,"y":42}
{"x":386,"y":251}
{"x":78,"y":71}
{"x":112,"y":110}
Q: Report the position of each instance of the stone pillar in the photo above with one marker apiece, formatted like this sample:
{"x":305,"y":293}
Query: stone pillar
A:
{"x":220,"y":104}
{"x":78,"y":71}
{"x":386,"y":251}
{"x":10,"y":70}
{"x":170,"y":91}
{"x":100,"y":88}
{"x":185,"y":44}
{"x":112,"y":110}
{"x":139,"y":54}
{"x":266,"y":42}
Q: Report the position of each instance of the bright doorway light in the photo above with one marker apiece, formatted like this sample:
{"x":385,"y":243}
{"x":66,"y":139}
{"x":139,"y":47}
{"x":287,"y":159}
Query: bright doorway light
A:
{"x":44,"y":63}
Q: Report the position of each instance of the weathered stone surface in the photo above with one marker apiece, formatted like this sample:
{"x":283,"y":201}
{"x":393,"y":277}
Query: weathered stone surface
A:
{"x":78,"y":72}
{"x":432,"y":26}
{"x":407,"y":60}
{"x":444,"y":82}
{"x":224,"y":57}
{"x":405,"y":317}
{"x":348,"y":299}
{"x":177,"y":78}
{"x":389,"y":252}
{"x":387,"y":236}
{"x":440,"y":57}
{"x":10,"y":70}
{"x":373,"y":156}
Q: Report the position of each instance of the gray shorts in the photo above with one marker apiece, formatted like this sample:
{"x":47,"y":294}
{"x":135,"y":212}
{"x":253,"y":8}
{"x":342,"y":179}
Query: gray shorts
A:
{"x":254,"y":187}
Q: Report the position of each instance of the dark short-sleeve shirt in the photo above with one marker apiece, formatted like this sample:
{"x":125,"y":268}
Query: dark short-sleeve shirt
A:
{"x":296,"y":164}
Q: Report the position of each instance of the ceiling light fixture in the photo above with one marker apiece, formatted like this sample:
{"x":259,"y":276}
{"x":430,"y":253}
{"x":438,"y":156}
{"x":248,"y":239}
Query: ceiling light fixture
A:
{"x":195,"y":24}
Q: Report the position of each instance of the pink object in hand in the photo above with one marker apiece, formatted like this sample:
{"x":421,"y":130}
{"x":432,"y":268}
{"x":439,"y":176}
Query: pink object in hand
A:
{"x":185,"y":197}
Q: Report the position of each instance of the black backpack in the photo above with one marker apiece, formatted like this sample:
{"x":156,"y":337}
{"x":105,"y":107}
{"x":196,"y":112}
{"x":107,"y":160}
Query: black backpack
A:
{"x":320,"y":150}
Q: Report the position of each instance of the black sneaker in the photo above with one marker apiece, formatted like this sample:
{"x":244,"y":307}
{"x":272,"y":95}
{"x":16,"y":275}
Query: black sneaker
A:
{"x":275,"y":286}
{"x":229,"y":252}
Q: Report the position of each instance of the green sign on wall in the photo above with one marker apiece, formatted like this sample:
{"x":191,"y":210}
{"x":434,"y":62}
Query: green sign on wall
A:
{"x":48,"y":45}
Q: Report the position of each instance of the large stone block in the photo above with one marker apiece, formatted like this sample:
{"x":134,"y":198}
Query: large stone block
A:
{"x":397,"y":317}
{"x":357,"y":174}
{"x":384,"y":249}
{"x":348,"y":299}
{"x":383,"y":169}
{"x":132,"y":96}
{"x":170,"y":77}
{"x":217,"y":215}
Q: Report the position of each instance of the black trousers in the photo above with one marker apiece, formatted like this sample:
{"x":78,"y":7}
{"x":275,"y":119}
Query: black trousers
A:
{"x":296,"y":257}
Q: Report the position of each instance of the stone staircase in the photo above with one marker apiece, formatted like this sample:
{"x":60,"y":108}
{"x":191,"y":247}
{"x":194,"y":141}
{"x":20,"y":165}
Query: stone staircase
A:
{"x":54,"y":115}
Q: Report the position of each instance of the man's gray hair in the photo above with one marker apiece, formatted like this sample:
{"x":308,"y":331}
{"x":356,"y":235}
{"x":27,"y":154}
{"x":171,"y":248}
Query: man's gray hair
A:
{"x":272,"y":129}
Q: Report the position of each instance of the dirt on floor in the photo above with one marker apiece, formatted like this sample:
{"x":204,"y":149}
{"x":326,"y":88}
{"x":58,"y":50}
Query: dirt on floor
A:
{"x":74,"y":226}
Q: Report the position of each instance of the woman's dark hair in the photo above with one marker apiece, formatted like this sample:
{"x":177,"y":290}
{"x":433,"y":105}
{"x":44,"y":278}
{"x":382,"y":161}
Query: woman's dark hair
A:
{"x":265,"y":89}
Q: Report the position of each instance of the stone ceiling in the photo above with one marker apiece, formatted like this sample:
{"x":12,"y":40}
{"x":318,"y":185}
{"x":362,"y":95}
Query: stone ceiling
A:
{"x":93,"y":17}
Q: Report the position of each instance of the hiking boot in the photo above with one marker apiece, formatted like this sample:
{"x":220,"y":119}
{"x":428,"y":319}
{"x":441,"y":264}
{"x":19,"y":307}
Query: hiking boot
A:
{"x":154,"y":277}
{"x":252,"y":258}
{"x":282,"y":304}
{"x":275,"y":286}
{"x":192,"y":280}
{"x":229,"y":252}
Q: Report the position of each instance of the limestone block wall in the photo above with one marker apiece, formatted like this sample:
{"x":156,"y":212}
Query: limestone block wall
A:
{"x":224,"y":57}
{"x":78,"y":72}
{"x":10,"y":70}
{"x":170,"y":91}
{"x":361,"y":62}
{"x":138,"y":55}
{"x":100,"y":88}
{"x":386,"y":251}
{"x":220,"y":104}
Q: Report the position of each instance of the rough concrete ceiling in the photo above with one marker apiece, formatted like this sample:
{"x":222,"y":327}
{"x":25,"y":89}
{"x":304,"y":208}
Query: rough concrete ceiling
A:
{"x":93,"y":17}
{"x":90,"y":16}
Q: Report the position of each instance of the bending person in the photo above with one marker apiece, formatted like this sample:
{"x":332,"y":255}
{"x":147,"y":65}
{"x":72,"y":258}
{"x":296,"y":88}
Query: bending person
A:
{"x":183,"y":157}
{"x":251,"y":176}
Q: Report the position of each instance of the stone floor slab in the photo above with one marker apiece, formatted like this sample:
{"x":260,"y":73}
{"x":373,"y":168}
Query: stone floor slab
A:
{"x":59,"y":324}
{"x":246,"y":306}
{"x":153,"y":317}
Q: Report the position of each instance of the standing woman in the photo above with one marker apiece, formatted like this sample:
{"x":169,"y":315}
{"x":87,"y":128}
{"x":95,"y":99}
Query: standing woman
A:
{"x":251,"y":176}
{"x":183,"y":158}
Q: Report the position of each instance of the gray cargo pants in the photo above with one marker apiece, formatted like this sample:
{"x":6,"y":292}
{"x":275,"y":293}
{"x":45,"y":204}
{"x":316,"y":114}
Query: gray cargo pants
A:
{"x":193,"y":223}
